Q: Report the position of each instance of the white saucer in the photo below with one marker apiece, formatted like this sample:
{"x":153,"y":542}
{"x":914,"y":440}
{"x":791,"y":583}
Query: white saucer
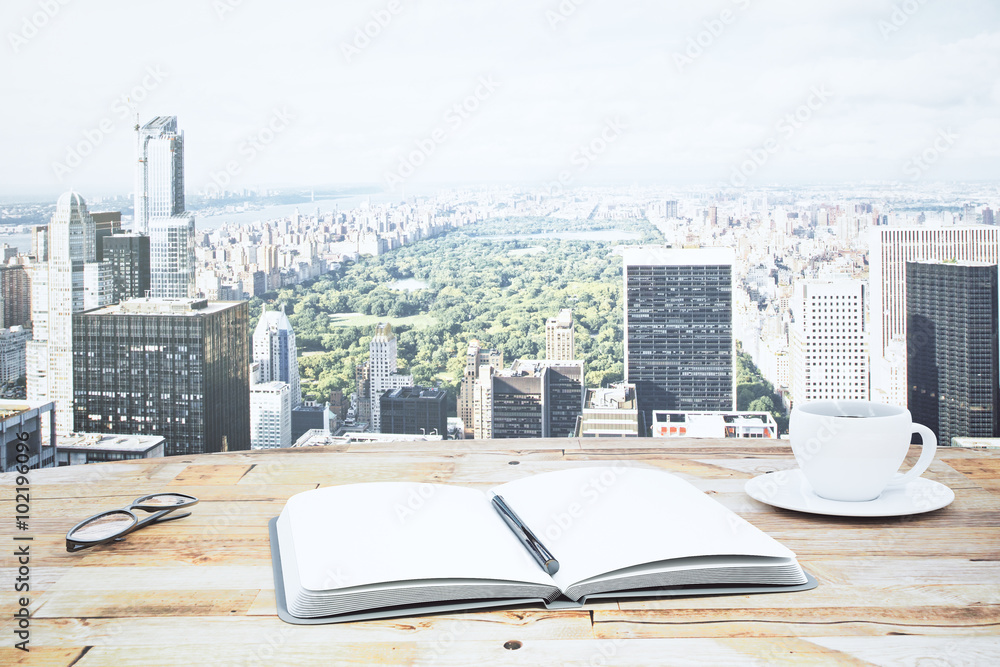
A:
{"x":789,"y":490}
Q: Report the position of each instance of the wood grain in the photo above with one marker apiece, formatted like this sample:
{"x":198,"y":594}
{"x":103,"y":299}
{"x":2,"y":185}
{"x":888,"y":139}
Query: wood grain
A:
{"x":903,"y":590}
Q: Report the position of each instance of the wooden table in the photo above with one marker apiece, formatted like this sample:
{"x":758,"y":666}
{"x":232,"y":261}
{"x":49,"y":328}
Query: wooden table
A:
{"x":199,"y":591}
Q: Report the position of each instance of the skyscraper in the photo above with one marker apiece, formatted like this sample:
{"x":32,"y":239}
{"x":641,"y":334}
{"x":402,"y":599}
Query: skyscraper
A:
{"x":159,"y":174}
{"x":15,"y":296}
{"x":40,"y":243}
{"x":270,"y":415}
{"x":951,"y":338}
{"x":382,"y":372}
{"x":274,"y":347}
{"x":13,"y":342}
{"x":509,"y":404}
{"x":560,"y":342}
{"x":987,"y":216}
{"x":679,"y":346}
{"x":531,"y":399}
{"x":564,"y":396}
{"x":171,"y":257}
{"x":128,"y":257}
{"x":159,"y":209}
{"x":105,"y":224}
{"x":176,"y":368}
{"x":414,"y":411}
{"x":475,"y":358}
{"x":68,"y":283}
{"x":890,"y":248}
{"x":829,"y":341}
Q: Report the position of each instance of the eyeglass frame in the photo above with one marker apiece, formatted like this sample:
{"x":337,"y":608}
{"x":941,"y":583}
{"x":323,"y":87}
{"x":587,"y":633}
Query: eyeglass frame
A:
{"x":159,"y":515}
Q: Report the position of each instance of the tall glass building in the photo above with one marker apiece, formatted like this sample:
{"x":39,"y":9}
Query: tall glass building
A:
{"x":159,"y":174}
{"x":128,"y":257}
{"x":71,"y":281}
{"x":679,"y":346}
{"x":889,"y":249}
{"x":274,"y":348}
{"x":171,"y":257}
{"x":178,"y":368}
{"x":159,"y":209}
{"x":951,"y":342}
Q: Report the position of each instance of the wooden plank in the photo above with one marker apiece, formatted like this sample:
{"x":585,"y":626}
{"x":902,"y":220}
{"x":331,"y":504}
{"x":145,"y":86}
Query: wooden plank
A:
{"x":39,"y":657}
{"x":913,"y":650}
{"x":947,"y":453}
{"x":990,"y":485}
{"x":335,"y":471}
{"x":446,"y":652}
{"x":125,"y":472}
{"x":169,"y":631}
{"x":807,"y":622}
{"x":166,"y":577}
{"x":110,"y":604}
{"x":780,"y":650}
{"x":909,"y":594}
{"x":138,"y":550}
{"x":41,"y":577}
{"x":264,"y":604}
{"x":847,"y":542}
{"x":977,"y":468}
{"x":862,"y":570}
{"x":201,"y":475}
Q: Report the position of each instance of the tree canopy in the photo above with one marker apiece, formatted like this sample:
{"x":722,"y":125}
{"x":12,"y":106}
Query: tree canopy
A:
{"x":492,"y":281}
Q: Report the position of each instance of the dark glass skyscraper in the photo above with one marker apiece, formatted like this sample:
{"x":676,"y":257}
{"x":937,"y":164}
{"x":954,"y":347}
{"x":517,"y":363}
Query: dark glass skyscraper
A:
{"x":951,"y":348}
{"x":679,"y":348}
{"x":105,"y":224}
{"x":128,"y":256}
{"x":415,"y":411}
{"x":517,"y":410}
{"x":172,"y":367}
{"x":15,"y":297}
{"x":531,"y":399}
{"x":564,"y":398}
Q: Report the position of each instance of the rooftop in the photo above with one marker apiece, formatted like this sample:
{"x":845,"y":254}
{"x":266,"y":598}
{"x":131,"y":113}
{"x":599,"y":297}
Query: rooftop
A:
{"x":318,"y":437}
{"x":70,"y":199}
{"x":161,"y":124}
{"x":151,"y":306}
{"x":10,"y":408}
{"x":618,"y":397}
{"x":663,"y":256}
{"x":415,"y":393}
{"x":109,"y":441}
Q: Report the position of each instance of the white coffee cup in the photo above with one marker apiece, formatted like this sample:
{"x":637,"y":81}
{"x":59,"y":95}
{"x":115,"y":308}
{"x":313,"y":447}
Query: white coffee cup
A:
{"x":852,"y":450}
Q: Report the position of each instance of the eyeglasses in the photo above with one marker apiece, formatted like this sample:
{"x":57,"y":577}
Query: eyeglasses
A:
{"x":116,"y":524}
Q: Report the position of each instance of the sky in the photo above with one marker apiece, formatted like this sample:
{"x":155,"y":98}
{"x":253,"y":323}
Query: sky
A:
{"x":412,"y":93}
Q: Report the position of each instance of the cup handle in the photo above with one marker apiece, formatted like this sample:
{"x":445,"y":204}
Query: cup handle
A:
{"x":928,"y":449}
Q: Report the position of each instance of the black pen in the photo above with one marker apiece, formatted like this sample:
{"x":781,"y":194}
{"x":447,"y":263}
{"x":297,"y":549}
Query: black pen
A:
{"x":531,"y":543}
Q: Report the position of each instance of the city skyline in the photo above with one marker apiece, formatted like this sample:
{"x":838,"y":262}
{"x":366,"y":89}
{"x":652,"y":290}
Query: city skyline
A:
{"x":561,"y":94}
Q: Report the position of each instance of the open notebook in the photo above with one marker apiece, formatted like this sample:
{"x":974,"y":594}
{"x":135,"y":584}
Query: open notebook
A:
{"x":399,"y":549}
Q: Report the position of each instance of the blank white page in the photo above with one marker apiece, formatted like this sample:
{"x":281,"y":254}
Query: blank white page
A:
{"x":597,"y":520}
{"x":361,"y":534}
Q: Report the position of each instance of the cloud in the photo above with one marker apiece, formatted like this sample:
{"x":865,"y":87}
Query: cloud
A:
{"x":559,"y":85}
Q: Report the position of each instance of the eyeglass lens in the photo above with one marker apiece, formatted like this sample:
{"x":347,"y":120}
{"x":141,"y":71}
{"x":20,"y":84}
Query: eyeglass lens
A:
{"x":103,"y":527}
{"x":164,"y":499}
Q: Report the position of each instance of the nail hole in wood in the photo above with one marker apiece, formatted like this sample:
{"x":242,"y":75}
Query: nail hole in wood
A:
{"x":513,"y":463}
{"x":512,"y":645}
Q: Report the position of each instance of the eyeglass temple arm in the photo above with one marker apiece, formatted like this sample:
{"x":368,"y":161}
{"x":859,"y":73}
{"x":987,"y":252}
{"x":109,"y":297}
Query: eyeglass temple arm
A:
{"x":156,"y":517}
